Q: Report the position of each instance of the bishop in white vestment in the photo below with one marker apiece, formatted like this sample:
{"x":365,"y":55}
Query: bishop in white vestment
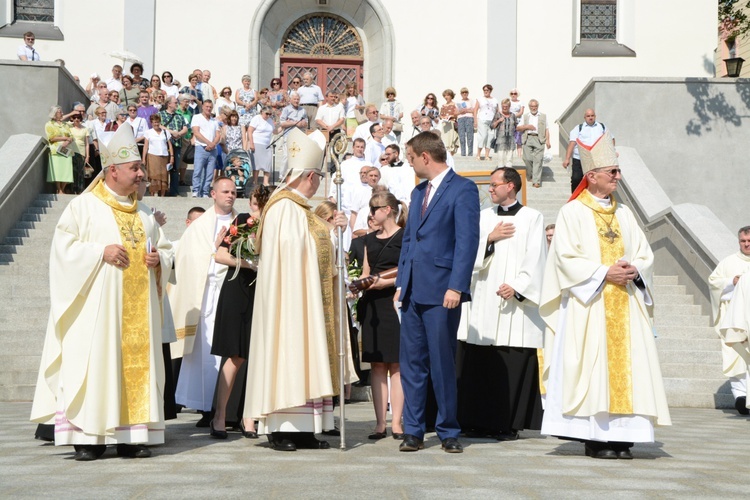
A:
{"x":102,"y":372}
{"x":501,"y":330}
{"x":604,"y":384}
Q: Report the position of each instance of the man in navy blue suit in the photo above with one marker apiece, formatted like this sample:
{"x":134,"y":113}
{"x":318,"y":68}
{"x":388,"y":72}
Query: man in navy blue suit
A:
{"x":434,"y":274}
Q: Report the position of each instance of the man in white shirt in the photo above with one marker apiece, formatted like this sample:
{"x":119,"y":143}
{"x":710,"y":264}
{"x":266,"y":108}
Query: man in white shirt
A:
{"x":115,"y":83}
{"x":375,"y":146}
{"x":206,"y":88}
{"x":350,"y":168}
{"x":396,"y":175}
{"x":311,"y":96}
{"x":330,"y":115}
{"x":363,"y":131}
{"x":535,"y":137}
{"x":27,"y":52}
{"x":587,"y":132}
{"x":207,"y":137}
{"x":388,"y":136}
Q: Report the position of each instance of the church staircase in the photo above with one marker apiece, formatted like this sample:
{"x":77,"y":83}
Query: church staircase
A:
{"x":688,"y":349}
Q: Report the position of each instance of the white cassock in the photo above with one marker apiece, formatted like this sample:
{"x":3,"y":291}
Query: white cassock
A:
{"x":80,"y":384}
{"x":518,"y":261}
{"x":735,"y":325}
{"x":721,"y":287}
{"x":200,"y":368}
{"x":350,"y":174}
{"x":576,"y":361}
{"x":293,"y":362}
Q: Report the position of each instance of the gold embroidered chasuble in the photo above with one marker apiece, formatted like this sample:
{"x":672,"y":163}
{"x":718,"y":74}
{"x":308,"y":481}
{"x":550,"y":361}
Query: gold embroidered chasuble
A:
{"x":617,"y":308}
{"x":134,"y":329}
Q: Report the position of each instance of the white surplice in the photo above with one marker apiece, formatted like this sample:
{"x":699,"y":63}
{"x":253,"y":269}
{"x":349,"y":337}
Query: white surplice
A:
{"x":735,"y":325}
{"x":488,"y":319}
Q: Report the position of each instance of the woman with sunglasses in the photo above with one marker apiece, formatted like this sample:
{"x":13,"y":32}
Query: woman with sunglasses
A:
{"x":375,"y":312}
{"x":394,"y":109}
{"x":80,"y":134}
{"x":257,"y":138}
{"x":225,"y":100}
{"x":154,"y":89}
{"x":484,"y":112}
{"x":465,"y":121}
{"x":429,"y":108}
{"x":353,"y":101}
{"x":136,"y":69}
{"x":277,"y":98}
{"x":168,"y":86}
{"x":246,"y":99}
{"x":60,"y":170}
{"x":517,"y":108}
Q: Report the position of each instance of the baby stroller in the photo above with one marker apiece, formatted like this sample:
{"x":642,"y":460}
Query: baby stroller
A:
{"x":242,"y":174}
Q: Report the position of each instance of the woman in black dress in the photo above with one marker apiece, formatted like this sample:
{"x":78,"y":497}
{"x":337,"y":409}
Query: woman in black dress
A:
{"x":380,"y":324}
{"x":234,"y":316}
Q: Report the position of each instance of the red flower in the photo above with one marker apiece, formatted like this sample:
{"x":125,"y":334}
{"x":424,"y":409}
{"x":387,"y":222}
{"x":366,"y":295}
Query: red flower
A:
{"x":233,"y":230}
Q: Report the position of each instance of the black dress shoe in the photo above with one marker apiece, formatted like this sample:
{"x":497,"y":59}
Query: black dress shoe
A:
{"x":310,"y":442}
{"x":451,"y":445}
{"x":247,"y":434}
{"x":217,"y":434}
{"x":411,"y":443}
{"x":133,"y":451}
{"x":624,"y":455}
{"x":622,"y":449}
{"x":282,"y":444}
{"x":378,"y":435}
{"x":398,"y":435}
{"x":87,"y":453}
{"x":595,"y":449}
{"x":205,"y":419}
{"x":507,"y":436}
{"x":332,"y":432}
{"x":740,"y":404}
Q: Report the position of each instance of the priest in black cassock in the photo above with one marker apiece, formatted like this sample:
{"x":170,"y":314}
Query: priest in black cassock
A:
{"x":501,"y":330}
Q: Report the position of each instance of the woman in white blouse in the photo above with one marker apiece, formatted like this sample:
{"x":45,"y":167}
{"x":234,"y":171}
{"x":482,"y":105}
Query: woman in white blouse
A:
{"x":484,"y":112}
{"x":158,"y":156}
{"x":258,"y":137}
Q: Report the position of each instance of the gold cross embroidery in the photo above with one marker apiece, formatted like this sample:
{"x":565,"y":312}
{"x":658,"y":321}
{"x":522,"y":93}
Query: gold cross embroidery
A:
{"x":294,"y":149}
{"x":131,"y":237}
{"x":611,"y":235}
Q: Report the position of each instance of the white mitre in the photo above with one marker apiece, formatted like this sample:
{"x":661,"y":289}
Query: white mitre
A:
{"x":599,"y":155}
{"x":121,"y":148}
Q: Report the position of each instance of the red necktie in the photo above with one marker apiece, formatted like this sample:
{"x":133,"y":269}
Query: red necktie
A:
{"x":426,"y":200}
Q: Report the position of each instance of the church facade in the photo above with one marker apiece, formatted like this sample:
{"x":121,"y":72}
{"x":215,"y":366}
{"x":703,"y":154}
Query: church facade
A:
{"x":548,"y":49}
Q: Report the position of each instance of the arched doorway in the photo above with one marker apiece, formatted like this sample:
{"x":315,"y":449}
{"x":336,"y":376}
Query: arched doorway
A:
{"x":325,"y":45}
{"x":369,"y":19}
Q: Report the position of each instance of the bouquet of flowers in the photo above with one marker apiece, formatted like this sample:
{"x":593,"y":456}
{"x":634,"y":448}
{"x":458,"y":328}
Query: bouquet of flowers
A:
{"x":241,"y":241}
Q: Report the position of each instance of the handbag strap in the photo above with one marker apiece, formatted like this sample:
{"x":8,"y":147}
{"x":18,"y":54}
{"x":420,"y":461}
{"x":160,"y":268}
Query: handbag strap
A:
{"x":384,"y":247}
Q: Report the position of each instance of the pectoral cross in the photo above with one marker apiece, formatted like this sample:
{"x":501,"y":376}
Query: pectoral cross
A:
{"x":611,"y":235}
{"x":294,"y":149}
{"x":131,"y":238}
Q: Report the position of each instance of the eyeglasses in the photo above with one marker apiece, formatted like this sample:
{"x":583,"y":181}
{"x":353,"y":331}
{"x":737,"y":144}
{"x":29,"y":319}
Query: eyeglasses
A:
{"x":275,"y":83}
{"x":514,"y":93}
{"x":296,"y":81}
{"x":498,"y":184}
{"x":612,"y":172}
{"x":464,"y":91}
{"x":227,"y":92}
{"x":375,"y":209}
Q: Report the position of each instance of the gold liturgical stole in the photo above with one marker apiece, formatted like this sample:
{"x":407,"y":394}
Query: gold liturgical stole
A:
{"x":134,"y":329}
{"x":616,"y":306}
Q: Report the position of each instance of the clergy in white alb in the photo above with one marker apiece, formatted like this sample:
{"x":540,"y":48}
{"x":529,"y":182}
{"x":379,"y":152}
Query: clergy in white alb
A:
{"x":722,"y":282}
{"x":293,"y":364}
{"x":735,"y":325}
{"x":194,"y":298}
{"x":604,"y":383}
{"x":501,"y":330}
{"x":101,"y":375}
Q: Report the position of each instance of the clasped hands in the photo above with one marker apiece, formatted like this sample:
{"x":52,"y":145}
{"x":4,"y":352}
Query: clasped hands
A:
{"x":621,"y":273}
{"x":117,"y":256}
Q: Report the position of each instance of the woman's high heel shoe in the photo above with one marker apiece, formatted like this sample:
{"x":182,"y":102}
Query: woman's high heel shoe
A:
{"x":247,"y":434}
{"x":217,"y":434}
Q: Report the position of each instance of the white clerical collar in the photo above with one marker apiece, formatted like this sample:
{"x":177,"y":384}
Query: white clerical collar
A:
{"x":122,"y":200}
{"x":505,"y":209}
{"x":604,"y":202}
{"x":298,"y":193}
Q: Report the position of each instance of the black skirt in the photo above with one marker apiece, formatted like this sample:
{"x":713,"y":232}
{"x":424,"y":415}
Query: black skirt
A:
{"x":381,"y":330}
{"x":234,"y":315}
{"x":498,"y":388}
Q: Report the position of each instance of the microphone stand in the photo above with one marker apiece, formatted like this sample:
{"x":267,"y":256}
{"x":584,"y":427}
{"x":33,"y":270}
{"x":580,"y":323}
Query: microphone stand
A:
{"x":273,"y":145}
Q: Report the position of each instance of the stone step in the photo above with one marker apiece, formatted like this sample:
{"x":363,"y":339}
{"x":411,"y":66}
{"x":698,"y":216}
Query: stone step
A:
{"x":685,"y":333}
{"x":20,"y":362}
{"x":673,"y":320}
{"x":678,"y":345}
{"x":686,"y":370}
{"x":700,"y":400}
{"x":672,"y":298}
{"x":690,"y":356}
{"x":696,"y":385}
{"x":11,"y":393}
{"x":26,"y":377}
{"x":665,"y":280}
{"x":661,"y":308}
{"x":669,"y":290}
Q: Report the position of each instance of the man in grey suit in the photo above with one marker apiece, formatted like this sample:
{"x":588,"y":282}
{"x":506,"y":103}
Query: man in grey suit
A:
{"x":535,"y":137}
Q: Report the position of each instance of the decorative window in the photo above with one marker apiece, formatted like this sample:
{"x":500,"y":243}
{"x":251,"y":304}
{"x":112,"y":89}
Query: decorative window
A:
{"x":322,"y":35}
{"x":598,"y":19}
{"x":40,"y":11}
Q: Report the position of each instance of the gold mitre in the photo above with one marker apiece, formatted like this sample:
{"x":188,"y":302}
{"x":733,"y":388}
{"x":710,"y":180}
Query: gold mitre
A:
{"x":121,"y":148}
{"x":600,"y":154}
{"x":305,"y":152}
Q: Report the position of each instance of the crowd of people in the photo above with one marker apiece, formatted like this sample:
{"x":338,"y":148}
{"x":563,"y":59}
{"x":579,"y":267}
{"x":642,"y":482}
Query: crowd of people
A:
{"x":474,"y":323}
